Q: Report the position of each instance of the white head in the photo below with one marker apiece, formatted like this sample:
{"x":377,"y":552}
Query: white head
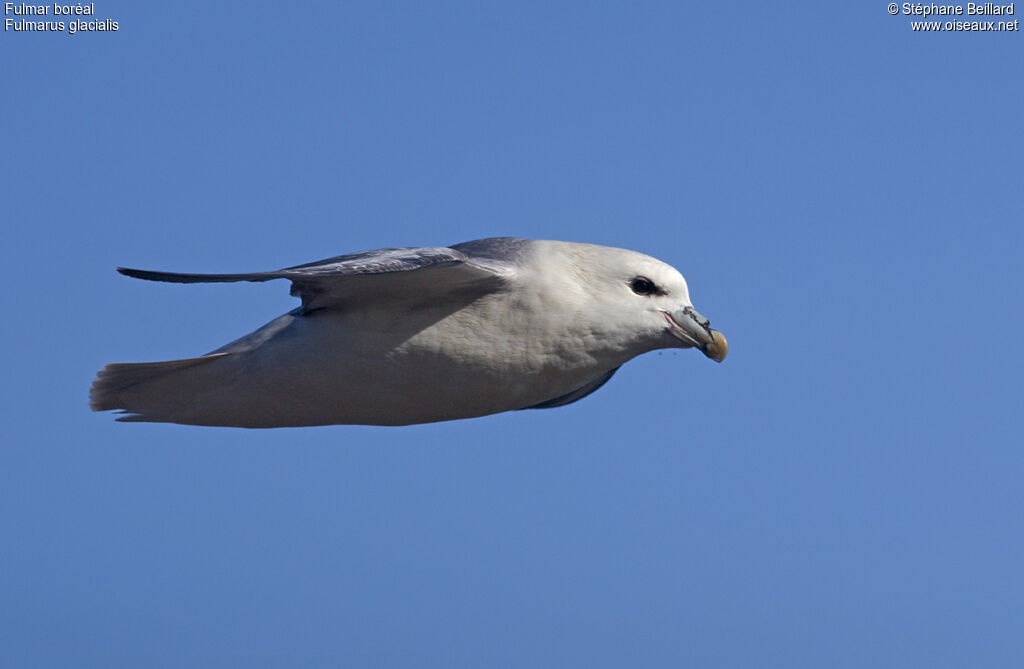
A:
{"x":626,"y":296}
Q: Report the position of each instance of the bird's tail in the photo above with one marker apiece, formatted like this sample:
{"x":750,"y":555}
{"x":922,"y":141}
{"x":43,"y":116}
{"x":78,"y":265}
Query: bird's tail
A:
{"x":150,"y":391}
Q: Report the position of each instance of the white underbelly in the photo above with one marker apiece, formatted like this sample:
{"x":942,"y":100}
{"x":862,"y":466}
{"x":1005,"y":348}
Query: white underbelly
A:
{"x":332,"y":367}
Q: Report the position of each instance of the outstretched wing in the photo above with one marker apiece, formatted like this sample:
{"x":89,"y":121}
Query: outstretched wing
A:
{"x":399,"y":273}
{"x":576,"y":395}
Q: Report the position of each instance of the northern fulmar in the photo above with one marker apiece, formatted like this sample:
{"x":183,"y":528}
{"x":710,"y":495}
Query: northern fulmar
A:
{"x":415,"y":335}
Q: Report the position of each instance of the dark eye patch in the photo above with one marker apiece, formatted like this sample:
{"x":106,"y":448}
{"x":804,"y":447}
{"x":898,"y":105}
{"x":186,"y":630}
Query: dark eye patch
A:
{"x":641,"y":285}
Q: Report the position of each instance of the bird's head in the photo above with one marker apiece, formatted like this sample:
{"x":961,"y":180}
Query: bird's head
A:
{"x":640,"y":293}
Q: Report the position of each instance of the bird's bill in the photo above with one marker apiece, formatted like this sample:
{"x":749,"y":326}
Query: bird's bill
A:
{"x":694,"y":330}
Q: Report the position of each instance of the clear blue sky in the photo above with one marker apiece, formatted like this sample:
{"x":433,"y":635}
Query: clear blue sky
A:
{"x":844,"y":196}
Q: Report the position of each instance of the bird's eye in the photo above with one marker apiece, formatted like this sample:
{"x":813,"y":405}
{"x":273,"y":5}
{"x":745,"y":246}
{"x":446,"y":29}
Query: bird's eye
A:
{"x":643,"y":286}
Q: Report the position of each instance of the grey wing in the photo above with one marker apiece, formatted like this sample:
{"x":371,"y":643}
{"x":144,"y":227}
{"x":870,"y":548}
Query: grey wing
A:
{"x":415,"y":272}
{"x":575,"y":395}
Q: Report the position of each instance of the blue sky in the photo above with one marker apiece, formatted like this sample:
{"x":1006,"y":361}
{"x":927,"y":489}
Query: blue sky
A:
{"x":843,"y":195}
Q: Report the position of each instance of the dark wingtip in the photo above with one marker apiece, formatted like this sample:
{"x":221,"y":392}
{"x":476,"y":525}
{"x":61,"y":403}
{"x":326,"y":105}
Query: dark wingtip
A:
{"x":150,"y":275}
{"x":177,"y":277}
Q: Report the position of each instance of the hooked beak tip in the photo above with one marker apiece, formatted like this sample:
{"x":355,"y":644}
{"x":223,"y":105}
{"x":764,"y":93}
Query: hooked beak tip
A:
{"x":718,"y":348}
{"x":694,"y":330}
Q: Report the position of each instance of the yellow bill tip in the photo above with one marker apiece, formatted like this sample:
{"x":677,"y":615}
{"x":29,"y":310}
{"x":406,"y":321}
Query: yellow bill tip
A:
{"x":718,"y":348}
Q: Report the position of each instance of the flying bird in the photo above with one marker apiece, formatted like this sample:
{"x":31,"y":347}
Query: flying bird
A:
{"x":417,"y":335}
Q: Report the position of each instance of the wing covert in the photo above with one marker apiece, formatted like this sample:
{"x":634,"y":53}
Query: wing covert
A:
{"x":395,"y":273}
